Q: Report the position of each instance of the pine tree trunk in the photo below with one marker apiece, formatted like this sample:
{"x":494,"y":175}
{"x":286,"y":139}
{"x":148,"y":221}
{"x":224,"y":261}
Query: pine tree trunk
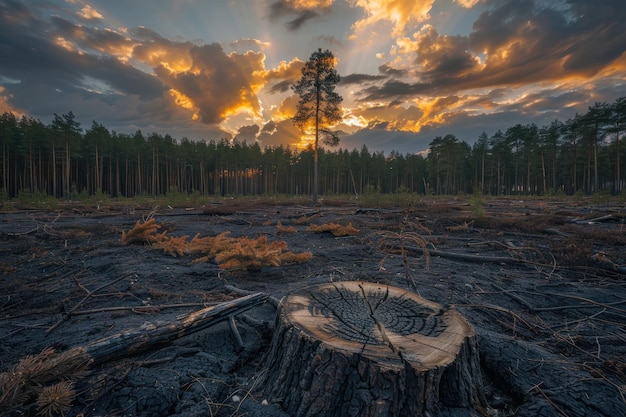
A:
{"x":363,"y":349}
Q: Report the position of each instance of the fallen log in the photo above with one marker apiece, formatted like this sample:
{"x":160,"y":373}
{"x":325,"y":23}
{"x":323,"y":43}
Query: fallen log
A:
{"x":606,"y":218}
{"x":351,"y":349}
{"x":150,"y":335}
{"x":466,"y":257}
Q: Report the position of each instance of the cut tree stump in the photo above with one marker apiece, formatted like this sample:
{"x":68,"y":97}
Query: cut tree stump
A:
{"x":364,"y":349}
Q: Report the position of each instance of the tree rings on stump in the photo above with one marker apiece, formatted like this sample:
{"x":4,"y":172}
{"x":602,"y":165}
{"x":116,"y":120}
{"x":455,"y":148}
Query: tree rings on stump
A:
{"x":364,"y":349}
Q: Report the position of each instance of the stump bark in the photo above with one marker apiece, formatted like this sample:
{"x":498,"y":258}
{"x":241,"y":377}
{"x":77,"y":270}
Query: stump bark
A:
{"x":363,"y":349}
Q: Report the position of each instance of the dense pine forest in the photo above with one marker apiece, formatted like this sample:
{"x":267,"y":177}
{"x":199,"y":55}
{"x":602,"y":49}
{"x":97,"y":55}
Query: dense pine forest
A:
{"x":585,"y":154}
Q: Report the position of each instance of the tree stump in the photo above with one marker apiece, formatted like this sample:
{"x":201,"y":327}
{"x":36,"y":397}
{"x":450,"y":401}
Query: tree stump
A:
{"x":363,"y":349}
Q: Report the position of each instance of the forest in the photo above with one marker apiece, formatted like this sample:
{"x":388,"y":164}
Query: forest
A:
{"x":584,"y":154}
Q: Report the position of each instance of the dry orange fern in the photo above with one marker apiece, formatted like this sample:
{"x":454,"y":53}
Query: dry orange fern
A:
{"x":334,"y":228}
{"x":280,"y":229}
{"x":142,"y":233}
{"x":230,"y":253}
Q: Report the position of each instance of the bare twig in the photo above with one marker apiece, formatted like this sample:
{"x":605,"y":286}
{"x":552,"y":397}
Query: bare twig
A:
{"x":81,"y":302}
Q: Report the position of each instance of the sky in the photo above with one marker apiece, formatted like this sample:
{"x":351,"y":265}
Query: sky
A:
{"x":411,"y":70}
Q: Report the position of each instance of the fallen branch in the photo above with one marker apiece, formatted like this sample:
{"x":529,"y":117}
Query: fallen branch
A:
{"x":81,"y":302}
{"x":469,"y":258}
{"x":608,"y":217}
{"x":240,"y":291}
{"x":151,"y":335}
{"x":141,"y":309}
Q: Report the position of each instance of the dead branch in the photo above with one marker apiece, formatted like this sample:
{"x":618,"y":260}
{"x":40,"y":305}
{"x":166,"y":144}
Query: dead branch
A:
{"x":270,"y":299}
{"x":141,"y":309}
{"x":608,"y":217}
{"x":81,"y":302}
{"x":470,"y":258}
{"x":151,"y":335}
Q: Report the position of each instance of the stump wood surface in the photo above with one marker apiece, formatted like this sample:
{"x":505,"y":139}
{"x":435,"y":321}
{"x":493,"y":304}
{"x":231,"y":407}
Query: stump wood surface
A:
{"x":364,"y":349}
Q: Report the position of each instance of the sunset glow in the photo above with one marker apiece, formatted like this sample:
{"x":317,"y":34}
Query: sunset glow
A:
{"x":224,"y":69}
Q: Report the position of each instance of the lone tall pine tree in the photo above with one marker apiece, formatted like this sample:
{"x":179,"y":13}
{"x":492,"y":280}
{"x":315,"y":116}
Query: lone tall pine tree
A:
{"x":318,"y":108}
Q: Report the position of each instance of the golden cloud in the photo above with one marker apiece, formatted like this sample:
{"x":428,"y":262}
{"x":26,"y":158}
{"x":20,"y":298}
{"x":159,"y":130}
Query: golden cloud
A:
{"x":88,"y":13}
{"x":252,"y":67}
{"x":286,"y":70}
{"x":440,"y":56}
{"x":175,"y":57}
{"x":468,"y":4}
{"x":287,"y":108}
{"x":5,"y":107}
{"x":65,"y":44}
{"x":215,"y":85}
{"x":411,"y":117}
{"x":400,"y":13}
{"x":310,"y":4}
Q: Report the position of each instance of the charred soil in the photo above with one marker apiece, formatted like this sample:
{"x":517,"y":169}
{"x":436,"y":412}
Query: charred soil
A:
{"x":543,"y":282}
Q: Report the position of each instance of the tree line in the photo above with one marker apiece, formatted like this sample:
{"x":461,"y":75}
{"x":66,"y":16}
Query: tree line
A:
{"x":584,"y":154}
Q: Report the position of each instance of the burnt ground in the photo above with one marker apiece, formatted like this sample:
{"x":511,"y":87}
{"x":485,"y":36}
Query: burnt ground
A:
{"x":543,"y":281}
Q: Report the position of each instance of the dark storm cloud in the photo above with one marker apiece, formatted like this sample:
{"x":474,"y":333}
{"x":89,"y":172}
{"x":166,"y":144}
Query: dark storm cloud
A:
{"x":303,"y":17}
{"x":544,"y":43}
{"x":103,"y":40}
{"x":279,"y":133}
{"x":516,"y":42}
{"x":41,"y":62}
{"x":393,"y":89}
{"x":331,"y":40}
{"x":283,"y":8}
{"x":360,"y":79}
{"x":145,"y":34}
{"x":393,"y":72}
{"x":247,"y":133}
{"x":282,"y":86}
{"x":124,"y":78}
{"x":215,"y":83}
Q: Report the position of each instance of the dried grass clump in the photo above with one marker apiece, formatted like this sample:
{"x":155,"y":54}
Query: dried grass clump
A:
{"x":284,"y":229}
{"x":229,"y":253}
{"x":143,"y":232}
{"x":46,"y":379}
{"x":403,"y":243}
{"x":306,"y":219}
{"x":56,"y":399}
{"x":334,"y":228}
{"x":251,"y":254}
{"x":175,"y":246}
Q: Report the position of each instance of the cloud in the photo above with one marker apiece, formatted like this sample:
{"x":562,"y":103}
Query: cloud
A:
{"x":468,"y":4}
{"x":330,"y":40}
{"x":4,"y":103}
{"x":525,"y":42}
{"x":243,"y":45}
{"x":303,"y":10}
{"x":360,"y":79}
{"x":514,"y":43}
{"x":392,"y":89}
{"x":63,"y":62}
{"x":247,"y":133}
{"x":286,"y":73}
{"x":279,"y":133}
{"x":281,"y":87}
{"x":88,"y":13}
{"x":522,"y":60}
{"x":217,"y":84}
{"x":439,"y":57}
{"x":400,"y":13}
